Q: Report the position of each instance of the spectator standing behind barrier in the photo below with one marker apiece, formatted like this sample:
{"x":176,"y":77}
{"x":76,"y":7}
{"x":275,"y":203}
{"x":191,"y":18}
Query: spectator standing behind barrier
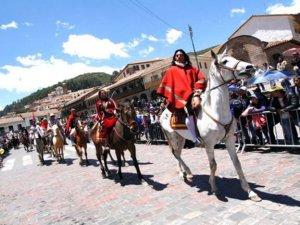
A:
{"x":282,"y":105}
{"x":256,"y":106}
{"x":145,"y":124}
{"x":281,"y":65}
{"x":296,"y":63}
{"x":153,"y":124}
{"x":238,"y":106}
{"x":294,"y":94}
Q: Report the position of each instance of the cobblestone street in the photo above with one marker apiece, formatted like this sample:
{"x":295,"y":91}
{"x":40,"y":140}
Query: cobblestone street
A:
{"x":71,"y":194}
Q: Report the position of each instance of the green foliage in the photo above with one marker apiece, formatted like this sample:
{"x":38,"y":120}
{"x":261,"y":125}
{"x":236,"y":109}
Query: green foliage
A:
{"x":87,"y":80}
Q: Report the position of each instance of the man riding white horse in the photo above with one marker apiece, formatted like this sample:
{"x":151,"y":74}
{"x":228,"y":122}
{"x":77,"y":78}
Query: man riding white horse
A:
{"x":181,"y":85}
{"x":55,"y":121}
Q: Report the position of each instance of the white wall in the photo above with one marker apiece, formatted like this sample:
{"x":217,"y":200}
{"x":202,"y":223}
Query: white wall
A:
{"x":268,"y":28}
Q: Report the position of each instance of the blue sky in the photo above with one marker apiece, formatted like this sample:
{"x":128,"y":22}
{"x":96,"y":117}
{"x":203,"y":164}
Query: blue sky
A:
{"x":43,"y":42}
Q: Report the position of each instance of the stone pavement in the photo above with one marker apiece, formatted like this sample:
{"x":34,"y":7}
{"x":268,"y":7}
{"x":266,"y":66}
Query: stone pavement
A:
{"x":70,"y":194}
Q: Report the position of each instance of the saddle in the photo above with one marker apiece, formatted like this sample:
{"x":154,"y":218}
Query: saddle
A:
{"x":178,"y":119}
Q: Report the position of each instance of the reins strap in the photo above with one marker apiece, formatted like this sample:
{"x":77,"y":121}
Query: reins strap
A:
{"x":226,"y":126}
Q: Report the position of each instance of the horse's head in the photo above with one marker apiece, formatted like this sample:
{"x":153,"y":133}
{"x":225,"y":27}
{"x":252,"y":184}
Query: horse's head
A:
{"x":231,"y":68}
{"x":128,"y":117}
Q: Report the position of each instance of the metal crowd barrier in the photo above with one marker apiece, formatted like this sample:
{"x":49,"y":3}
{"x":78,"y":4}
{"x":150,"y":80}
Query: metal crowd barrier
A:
{"x":154,"y":135}
{"x":278,"y":131}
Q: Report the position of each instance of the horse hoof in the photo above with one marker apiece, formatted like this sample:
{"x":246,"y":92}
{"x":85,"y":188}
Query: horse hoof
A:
{"x":189,"y":177}
{"x":216,"y":192}
{"x":254,"y":197}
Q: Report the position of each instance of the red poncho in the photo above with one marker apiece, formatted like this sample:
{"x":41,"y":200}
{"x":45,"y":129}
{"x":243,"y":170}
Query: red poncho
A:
{"x":179,"y":83}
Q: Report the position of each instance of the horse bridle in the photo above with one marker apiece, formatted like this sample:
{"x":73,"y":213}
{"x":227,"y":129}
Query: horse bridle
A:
{"x":128,"y":125}
{"x":219,"y":67}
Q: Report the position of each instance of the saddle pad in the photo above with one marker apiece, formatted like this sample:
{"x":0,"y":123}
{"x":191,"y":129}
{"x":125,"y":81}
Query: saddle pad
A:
{"x":178,"y":119}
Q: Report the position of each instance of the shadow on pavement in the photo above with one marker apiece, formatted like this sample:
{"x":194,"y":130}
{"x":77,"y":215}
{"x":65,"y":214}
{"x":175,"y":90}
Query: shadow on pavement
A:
{"x":132,"y":179}
{"x":231,"y":188}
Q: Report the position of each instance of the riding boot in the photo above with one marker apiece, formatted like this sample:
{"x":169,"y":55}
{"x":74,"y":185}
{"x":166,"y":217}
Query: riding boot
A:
{"x":190,"y":123}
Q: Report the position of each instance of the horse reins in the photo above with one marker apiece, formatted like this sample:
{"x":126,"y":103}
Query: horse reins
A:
{"x":218,"y":66}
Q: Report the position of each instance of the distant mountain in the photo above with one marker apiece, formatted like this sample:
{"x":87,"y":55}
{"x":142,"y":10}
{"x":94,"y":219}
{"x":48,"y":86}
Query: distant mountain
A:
{"x":82,"y":81}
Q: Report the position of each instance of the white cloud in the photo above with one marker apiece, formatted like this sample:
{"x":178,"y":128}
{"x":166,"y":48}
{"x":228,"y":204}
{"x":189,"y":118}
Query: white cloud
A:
{"x":31,"y":60}
{"x":149,"y":37}
{"x":146,"y":52}
{"x":28,"y":24}
{"x":64,"y":25}
{"x":88,"y":46}
{"x":236,"y":11}
{"x":279,"y":8}
{"x":133,"y":43}
{"x":12,"y":24}
{"x":173,"y":35}
{"x":35,"y":73}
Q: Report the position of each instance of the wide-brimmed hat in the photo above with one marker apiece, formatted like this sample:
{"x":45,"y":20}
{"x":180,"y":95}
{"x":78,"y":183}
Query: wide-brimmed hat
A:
{"x":276,"y":88}
{"x":244,"y":88}
{"x":72,"y":110}
{"x":52,"y":114}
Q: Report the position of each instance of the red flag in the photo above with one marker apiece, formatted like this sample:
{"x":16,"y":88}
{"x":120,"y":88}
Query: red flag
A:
{"x":33,"y":117}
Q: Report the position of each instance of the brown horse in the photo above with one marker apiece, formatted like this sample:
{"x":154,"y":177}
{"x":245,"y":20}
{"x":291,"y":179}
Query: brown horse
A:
{"x":121,"y":138}
{"x":58,"y":143}
{"x":81,"y":143}
{"x":25,"y":141}
{"x":101,"y":150}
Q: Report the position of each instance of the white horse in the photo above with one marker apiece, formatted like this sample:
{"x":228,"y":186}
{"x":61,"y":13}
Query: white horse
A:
{"x":215,"y":121}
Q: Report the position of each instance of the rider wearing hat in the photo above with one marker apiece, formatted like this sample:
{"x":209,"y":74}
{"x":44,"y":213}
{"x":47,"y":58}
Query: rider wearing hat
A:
{"x":55,"y":121}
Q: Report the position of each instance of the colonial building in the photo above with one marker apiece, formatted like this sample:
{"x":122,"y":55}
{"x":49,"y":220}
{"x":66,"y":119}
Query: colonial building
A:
{"x":14,"y":122}
{"x":263,"y":38}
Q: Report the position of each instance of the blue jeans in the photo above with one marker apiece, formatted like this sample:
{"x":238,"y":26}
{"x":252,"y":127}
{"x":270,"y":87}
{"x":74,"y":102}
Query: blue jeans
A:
{"x":289,"y":131}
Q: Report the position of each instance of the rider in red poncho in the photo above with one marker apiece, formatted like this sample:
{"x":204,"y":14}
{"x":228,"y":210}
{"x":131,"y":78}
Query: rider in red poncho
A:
{"x":180,"y":84}
{"x":106,"y":109}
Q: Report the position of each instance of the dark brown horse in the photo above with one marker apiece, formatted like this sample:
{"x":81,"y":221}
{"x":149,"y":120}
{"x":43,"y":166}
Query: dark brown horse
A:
{"x":81,"y":143}
{"x":25,"y":141}
{"x":121,"y":138}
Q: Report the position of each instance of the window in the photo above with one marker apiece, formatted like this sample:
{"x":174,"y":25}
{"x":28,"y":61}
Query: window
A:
{"x":200,"y":65}
{"x":147,"y":65}
{"x":154,"y":78}
{"x":205,"y":65}
{"x":143,"y":67}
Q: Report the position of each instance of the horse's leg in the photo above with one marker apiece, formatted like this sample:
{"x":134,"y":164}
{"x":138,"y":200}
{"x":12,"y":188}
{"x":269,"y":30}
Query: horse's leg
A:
{"x":111,"y":158}
{"x":118,"y":154}
{"x":125,"y":163}
{"x":62,"y":153}
{"x":79,"y":153}
{"x":86,"y":158}
{"x":132,"y":151}
{"x":55,"y":151}
{"x":213,"y":167}
{"x":176,"y":144}
{"x":105,"y":153}
{"x":98,"y":155}
{"x":236,"y":162}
